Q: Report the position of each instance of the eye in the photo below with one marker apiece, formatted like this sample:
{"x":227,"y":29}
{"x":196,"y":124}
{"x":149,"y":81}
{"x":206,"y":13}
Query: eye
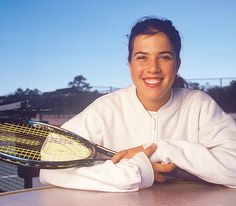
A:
{"x":165,"y":57}
{"x":140,"y":57}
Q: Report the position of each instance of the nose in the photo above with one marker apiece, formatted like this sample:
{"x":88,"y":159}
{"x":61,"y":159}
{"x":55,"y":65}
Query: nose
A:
{"x":154,"y":66}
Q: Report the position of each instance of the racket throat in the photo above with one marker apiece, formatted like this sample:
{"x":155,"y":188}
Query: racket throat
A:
{"x":105,"y":151}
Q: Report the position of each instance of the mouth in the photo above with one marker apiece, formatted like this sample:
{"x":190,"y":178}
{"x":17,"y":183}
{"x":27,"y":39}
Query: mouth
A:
{"x":153,"y":82}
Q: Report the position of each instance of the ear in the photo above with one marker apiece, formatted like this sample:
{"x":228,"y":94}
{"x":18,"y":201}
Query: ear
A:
{"x":130,"y":67}
{"x":178,"y":63}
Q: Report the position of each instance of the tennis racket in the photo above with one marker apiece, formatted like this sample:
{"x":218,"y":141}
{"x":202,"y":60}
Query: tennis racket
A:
{"x":40,"y":145}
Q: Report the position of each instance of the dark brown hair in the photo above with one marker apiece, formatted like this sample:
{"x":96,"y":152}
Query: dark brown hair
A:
{"x":152,"y":26}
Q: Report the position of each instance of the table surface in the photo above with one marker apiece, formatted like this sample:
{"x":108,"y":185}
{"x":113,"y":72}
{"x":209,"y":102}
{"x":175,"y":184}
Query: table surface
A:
{"x":171,"y":194}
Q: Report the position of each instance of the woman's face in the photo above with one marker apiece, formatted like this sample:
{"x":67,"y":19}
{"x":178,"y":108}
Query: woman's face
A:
{"x":153,"y":68}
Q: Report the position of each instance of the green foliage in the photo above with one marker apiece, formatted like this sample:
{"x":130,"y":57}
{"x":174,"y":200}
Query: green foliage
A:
{"x":69,"y":103}
{"x":195,"y":86}
{"x":79,"y":84}
{"x":225,"y":96}
{"x":74,"y":99}
{"x":62,"y":101}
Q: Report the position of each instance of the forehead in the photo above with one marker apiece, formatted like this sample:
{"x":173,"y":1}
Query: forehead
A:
{"x":159,"y":41}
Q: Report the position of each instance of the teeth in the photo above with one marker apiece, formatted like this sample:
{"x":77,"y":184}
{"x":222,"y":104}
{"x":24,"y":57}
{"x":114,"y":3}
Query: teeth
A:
{"x":152,"y":81}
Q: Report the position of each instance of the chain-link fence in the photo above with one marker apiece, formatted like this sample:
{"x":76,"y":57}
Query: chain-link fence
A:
{"x":203,"y":83}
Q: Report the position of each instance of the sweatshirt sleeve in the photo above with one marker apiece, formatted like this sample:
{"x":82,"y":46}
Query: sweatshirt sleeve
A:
{"x":213,"y":157}
{"x":126,"y":176}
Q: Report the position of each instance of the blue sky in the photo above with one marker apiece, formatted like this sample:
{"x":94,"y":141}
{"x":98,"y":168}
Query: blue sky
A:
{"x":44,"y":44}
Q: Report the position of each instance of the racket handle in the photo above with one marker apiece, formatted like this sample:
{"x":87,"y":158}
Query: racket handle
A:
{"x":105,"y":151}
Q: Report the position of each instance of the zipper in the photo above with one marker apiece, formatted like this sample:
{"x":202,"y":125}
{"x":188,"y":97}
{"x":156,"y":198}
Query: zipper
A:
{"x":154,"y":128}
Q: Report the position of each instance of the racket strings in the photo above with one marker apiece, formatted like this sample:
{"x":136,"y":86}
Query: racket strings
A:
{"x":28,"y":142}
{"x":27,"y":135}
{"x":11,"y":136}
{"x":34,"y":131}
{"x":60,"y":148}
{"x":24,"y":129}
{"x":61,"y":141}
{"x":21,"y":152}
{"x":21,"y":141}
{"x":7,"y":140}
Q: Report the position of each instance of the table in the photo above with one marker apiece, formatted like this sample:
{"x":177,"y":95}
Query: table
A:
{"x":168,"y":194}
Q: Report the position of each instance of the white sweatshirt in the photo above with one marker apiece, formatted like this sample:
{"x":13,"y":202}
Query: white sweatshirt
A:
{"x":190,"y":130}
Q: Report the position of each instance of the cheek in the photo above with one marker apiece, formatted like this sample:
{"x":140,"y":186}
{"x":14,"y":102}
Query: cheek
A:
{"x":135,"y":70}
{"x":170,"y":70}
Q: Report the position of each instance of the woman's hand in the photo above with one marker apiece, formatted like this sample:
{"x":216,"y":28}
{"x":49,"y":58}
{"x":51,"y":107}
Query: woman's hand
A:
{"x":129,"y":153}
{"x":158,"y":168}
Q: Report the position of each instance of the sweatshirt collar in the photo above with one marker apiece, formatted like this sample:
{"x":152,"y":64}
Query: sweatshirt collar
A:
{"x":170,"y":107}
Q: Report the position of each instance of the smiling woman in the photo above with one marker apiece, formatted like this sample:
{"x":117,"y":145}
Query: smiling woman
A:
{"x":154,"y":60}
{"x":153,"y":69}
{"x":156,"y":123}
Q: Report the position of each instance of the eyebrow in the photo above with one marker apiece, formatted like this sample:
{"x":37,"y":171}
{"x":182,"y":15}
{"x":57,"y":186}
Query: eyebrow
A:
{"x":167,"y":52}
{"x":146,"y":53}
{"x":140,"y":52}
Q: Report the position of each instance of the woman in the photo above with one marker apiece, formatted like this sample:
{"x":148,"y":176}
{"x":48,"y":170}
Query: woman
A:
{"x":189,"y":129}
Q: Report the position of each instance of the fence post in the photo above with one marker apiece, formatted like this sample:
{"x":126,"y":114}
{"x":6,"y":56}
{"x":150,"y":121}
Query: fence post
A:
{"x":220,"y":82}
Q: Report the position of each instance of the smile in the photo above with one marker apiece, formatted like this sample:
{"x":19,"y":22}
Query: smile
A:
{"x":152,"y":82}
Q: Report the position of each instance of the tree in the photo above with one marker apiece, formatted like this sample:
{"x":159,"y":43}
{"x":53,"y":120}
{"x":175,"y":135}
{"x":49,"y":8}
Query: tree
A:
{"x":19,"y":92}
{"x":225,"y":96}
{"x":28,"y":92}
{"x":79,"y":84}
{"x":195,"y":86}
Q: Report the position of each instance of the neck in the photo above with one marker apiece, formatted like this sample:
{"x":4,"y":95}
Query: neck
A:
{"x":156,"y":104}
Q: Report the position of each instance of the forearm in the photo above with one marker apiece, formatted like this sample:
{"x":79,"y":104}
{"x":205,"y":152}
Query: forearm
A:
{"x":196,"y":159}
{"x":125,"y":176}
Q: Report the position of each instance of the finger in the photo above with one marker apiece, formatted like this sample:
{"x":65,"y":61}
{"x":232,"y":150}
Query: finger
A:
{"x":150,"y":150}
{"x":159,"y":178}
{"x":117,"y":157}
{"x":163,"y":167}
{"x":133,"y":151}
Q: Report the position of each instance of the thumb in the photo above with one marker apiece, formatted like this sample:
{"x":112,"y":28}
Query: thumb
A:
{"x":117,"y":157}
{"x":150,"y":150}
